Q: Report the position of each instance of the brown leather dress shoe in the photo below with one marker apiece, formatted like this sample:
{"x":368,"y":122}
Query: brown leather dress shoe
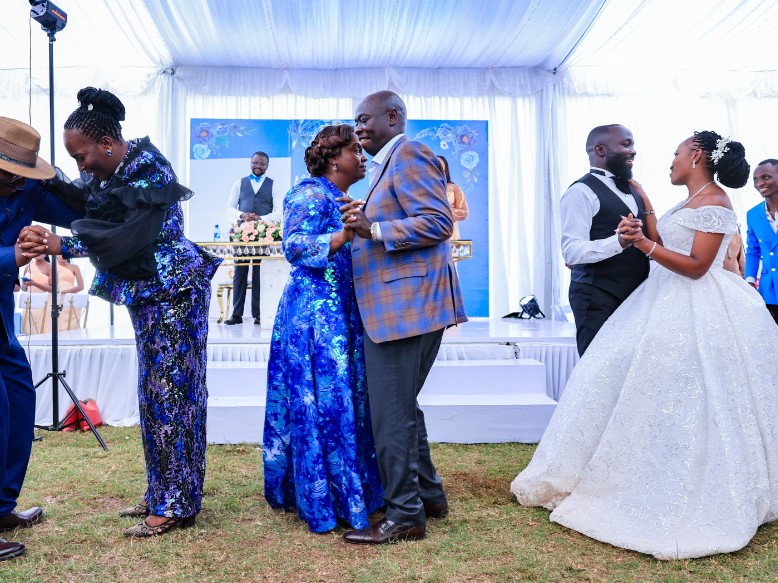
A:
{"x":9,"y":550}
{"x":384,"y":532}
{"x":21,"y":519}
{"x":436,"y":510}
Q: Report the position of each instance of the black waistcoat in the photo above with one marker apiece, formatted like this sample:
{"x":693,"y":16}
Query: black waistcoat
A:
{"x":260,"y":203}
{"x":622,"y":273}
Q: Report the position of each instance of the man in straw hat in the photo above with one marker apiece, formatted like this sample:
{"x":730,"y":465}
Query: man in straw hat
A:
{"x":21,"y":202}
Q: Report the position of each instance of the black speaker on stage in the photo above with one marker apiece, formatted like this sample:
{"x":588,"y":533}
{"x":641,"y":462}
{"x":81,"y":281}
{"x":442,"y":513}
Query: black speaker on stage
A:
{"x":529,"y":309}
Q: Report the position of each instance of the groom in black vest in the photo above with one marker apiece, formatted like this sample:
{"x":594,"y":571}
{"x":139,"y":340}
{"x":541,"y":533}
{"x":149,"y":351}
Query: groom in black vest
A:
{"x":251,"y":199}
{"x":606,"y":268}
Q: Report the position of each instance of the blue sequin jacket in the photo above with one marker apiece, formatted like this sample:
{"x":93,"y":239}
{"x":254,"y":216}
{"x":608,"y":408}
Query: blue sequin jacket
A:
{"x":177,"y":263}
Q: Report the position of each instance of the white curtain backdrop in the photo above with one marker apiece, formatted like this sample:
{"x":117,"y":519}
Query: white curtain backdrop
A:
{"x":663,"y":68}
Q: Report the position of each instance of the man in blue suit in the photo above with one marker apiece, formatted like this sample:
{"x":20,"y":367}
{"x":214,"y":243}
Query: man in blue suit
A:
{"x":21,"y":202}
{"x":762,"y":238}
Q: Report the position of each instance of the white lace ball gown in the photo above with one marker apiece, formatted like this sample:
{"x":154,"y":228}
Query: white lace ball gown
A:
{"x":665,"y":440}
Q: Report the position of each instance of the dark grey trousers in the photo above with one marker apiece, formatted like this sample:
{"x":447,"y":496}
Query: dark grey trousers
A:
{"x":396,"y":371}
{"x":240,"y":277}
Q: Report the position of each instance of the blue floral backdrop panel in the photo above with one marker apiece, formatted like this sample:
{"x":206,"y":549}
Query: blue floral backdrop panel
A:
{"x":464,"y":144}
{"x":212,"y":139}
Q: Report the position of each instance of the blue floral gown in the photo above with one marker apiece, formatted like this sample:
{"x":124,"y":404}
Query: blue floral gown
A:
{"x":168,"y":306}
{"x":318,"y":450}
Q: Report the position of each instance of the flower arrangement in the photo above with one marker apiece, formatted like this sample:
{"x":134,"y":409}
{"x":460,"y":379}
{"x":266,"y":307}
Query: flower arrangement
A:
{"x":257,"y":232}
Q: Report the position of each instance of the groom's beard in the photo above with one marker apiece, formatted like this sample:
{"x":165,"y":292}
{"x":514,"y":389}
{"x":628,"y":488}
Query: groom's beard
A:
{"x":617,"y":165}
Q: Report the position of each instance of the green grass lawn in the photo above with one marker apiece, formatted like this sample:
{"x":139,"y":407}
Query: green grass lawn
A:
{"x":487,"y":537}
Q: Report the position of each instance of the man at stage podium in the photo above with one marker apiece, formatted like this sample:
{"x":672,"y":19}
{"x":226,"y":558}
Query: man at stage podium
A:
{"x":251,"y":199}
{"x":22,"y":201}
{"x":606,"y":268}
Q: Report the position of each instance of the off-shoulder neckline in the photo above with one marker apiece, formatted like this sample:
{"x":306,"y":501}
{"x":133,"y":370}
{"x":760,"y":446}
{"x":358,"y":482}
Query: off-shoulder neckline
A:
{"x":689,"y":208}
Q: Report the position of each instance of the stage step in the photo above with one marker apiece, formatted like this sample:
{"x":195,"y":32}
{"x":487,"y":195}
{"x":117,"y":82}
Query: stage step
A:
{"x":236,"y":379}
{"x":486,"y":401}
{"x":493,"y":377}
{"x":464,"y":401}
{"x":235,"y":419}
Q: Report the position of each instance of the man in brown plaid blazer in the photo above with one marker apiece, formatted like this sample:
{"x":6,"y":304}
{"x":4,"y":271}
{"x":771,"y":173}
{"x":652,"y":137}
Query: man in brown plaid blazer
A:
{"x":408,"y":293}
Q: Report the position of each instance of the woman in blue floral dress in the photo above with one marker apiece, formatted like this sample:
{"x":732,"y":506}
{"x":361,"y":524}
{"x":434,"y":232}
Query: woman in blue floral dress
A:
{"x":318,"y":450}
{"x":133,"y":234}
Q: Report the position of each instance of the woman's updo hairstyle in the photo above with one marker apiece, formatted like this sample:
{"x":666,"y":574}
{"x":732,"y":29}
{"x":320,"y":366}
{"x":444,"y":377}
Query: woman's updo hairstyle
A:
{"x":725,"y":158}
{"x":326,"y":146}
{"x":98,"y":114}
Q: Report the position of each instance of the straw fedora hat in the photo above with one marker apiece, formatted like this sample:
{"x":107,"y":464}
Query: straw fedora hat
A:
{"x":19,"y":145}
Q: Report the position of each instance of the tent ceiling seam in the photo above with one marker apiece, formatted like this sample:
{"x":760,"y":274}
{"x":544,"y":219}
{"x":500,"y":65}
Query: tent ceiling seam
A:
{"x":393,"y":38}
{"x":269,"y":16}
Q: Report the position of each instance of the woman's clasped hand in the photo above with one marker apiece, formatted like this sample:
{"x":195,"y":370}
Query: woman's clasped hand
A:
{"x":37,"y":240}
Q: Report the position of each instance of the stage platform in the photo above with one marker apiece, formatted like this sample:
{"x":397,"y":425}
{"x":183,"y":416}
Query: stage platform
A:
{"x":494,"y":380}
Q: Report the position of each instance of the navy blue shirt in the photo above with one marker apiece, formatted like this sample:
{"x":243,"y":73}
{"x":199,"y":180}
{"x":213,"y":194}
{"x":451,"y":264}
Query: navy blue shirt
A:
{"x":30,"y":203}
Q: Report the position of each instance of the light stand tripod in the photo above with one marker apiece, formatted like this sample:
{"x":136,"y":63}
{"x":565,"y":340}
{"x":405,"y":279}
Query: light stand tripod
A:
{"x":53,"y":19}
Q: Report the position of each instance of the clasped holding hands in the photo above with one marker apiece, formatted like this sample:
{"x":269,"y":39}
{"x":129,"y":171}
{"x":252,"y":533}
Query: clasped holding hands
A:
{"x":354,"y":219}
{"x":629,"y":231}
{"x":36,"y":240}
{"x":248,"y":216}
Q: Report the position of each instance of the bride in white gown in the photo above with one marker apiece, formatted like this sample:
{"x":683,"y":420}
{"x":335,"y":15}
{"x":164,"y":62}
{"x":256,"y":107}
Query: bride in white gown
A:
{"x":665,"y":440}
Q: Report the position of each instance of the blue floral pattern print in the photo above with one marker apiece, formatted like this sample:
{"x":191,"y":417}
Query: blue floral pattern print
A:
{"x":461,"y":141}
{"x":318,"y":450}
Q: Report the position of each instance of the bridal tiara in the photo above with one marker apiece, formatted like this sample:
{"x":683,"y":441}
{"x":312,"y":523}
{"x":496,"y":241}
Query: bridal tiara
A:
{"x":718,"y":153}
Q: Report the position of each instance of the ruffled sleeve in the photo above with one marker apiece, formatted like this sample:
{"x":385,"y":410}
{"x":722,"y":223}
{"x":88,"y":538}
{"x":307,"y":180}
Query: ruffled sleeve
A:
{"x":709,"y":219}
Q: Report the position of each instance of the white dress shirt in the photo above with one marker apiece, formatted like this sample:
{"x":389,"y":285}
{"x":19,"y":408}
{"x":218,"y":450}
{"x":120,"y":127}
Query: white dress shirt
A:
{"x":379,"y":159}
{"x":374,"y":169}
{"x":234,"y":200}
{"x":577,"y":208}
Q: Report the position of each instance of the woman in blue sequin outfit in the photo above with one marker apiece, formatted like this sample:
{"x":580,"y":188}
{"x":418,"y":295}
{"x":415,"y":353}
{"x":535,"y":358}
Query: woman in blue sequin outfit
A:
{"x":318,"y":451}
{"x":133,"y":234}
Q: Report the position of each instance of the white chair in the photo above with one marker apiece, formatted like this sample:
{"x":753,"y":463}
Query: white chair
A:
{"x":75,"y":311}
{"x":34,"y":309}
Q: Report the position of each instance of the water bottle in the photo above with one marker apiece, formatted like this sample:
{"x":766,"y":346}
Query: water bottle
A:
{"x":217,"y":234}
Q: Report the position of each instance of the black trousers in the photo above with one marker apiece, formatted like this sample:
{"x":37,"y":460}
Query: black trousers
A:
{"x":396,"y":371}
{"x":239,"y":282}
{"x":591,"y":307}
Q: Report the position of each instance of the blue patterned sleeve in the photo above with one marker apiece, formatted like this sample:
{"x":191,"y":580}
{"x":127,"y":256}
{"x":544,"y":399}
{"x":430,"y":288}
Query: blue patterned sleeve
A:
{"x":306,"y":241}
{"x":73,"y":247}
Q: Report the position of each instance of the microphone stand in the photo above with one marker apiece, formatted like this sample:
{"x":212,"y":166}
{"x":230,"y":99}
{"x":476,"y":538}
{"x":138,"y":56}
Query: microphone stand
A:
{"x":57,"y":377}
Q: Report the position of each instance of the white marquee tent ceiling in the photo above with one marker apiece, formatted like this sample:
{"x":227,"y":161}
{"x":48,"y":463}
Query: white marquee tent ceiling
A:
{"x":483,"y":35}
{"x":172,"y":60}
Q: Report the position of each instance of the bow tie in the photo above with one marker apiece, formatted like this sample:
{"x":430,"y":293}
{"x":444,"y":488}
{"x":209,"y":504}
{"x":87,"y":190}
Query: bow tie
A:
{"x":255,"y":178}
{"x":621,"y":183}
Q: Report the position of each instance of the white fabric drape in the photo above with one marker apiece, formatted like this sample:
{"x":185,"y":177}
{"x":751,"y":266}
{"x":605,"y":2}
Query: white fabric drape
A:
{"x":649,"y":65}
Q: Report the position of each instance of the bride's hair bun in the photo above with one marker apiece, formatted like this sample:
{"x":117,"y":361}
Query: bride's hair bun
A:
{"x":725,"y":158}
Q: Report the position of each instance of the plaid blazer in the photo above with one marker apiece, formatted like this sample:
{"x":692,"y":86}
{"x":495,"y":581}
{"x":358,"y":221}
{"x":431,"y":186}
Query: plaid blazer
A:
{"x":406,"y":284}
